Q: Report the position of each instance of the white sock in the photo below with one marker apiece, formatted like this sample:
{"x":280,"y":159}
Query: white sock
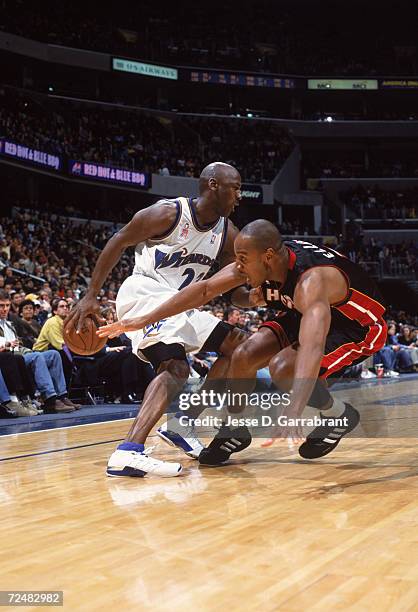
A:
{"x":13,"y":397}
{"x":337,"y":408}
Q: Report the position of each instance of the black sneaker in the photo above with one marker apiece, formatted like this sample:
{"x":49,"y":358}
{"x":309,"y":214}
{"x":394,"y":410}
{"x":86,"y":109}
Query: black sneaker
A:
{"x":226,"y":442}
{"x":323,"y":439}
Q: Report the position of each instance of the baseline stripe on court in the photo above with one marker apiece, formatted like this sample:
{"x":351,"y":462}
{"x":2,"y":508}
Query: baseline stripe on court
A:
{"x":59,"y":450}
{"x":51,"y":429}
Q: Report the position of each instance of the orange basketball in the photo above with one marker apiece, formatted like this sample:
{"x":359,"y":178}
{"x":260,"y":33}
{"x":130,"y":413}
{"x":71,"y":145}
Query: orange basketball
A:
{"x":86,"y":342}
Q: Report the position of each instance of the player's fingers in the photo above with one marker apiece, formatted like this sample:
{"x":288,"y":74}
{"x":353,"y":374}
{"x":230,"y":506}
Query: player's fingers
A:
{"x":114,"y":334}
{"x":106,"y":330}
{"x":70,"y":316}
{"x":268,"y":442}
{"x":72,"y":319}
{"x":80,"y":323}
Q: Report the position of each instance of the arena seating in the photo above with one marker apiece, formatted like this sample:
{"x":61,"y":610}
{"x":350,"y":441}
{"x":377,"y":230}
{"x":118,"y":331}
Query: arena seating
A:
{"x":265,"y":36}
{"x":141,"y":141}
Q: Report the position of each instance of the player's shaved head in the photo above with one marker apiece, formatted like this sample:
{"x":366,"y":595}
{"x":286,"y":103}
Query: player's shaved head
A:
{"x":261,"y":235}
{"x":218,"y":171}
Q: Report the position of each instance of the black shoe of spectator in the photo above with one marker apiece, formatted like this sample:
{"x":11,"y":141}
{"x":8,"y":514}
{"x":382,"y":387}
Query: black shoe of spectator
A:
{"x":54,"y":405}
{"x":68,"y":402}
{"x":7,"y":413}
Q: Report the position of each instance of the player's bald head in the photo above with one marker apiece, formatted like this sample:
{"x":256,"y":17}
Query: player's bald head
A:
{"x":261,"y":235}
{"x":218,"y":171}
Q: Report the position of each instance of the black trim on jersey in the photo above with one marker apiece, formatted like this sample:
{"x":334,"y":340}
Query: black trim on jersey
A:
{"x":223,"y":239}
{"x":173,"y":227}
{"x":200,"y":228}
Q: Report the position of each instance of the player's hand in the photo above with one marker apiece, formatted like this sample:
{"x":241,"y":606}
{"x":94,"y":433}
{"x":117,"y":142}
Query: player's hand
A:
{"x":256,"y":297}
{"x":292,"y":435}
{"x":122,"y":326}
{"x":88,"y":305}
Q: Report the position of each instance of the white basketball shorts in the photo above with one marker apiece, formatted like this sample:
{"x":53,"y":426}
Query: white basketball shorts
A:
{"x":140,"y":294}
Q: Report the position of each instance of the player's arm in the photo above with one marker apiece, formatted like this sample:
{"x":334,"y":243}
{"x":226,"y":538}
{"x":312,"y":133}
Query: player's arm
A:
{"x":240,"y":296}
{"x":192,"y":296}
{"x":315,"y":292}
{"x":148,"y":223}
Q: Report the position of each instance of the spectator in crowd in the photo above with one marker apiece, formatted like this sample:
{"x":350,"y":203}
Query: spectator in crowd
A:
{"x":27,"y":327}
{"x":139,"y":141}
{"x":117,"y":359}
{"x":407,"y":338}
{"x":52,"y":336}
{"x":18,"y":381}
{"x":15,"y":299}
{"x":233,"y":315}
{"x":6,"y":407}
{"x":393,"y":356}
{"x":46,"y":367}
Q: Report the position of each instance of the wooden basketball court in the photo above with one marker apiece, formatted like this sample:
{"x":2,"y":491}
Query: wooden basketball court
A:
{"x":269,"y":531}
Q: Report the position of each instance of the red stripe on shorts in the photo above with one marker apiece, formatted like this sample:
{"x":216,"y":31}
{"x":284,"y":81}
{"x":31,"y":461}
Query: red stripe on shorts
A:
{"x":345,"y":354}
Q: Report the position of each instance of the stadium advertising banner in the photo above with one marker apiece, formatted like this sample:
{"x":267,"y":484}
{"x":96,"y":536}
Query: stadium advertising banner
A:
{"x":109,"y":174}
{"x":21,"y":152}
{"x":399,"y":84}
{"x":252,"y":193}
{"x":355,"y":84}
{"x":240,"y":79}
{"x":152,"y":70}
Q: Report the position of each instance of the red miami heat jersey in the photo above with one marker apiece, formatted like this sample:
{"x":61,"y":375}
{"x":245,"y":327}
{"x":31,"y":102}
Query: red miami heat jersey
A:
{"x":363,"y":303}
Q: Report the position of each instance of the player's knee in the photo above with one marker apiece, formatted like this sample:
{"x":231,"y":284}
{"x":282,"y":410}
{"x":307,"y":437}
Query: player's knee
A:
{"x":281,"y":366}
{"x":233,"y":341}
{"x":177,"y":368}
{"x":242,"y":357}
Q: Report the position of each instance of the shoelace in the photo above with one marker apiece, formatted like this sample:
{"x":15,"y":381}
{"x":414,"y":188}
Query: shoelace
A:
{"x":144,"y":460}
{"x":150,"y":449}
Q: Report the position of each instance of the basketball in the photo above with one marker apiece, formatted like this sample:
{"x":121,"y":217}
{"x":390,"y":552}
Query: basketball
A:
{"x":86,"y":342}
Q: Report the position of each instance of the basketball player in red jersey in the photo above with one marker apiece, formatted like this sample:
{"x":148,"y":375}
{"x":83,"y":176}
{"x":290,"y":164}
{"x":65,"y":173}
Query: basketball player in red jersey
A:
{"x":333,"y":318}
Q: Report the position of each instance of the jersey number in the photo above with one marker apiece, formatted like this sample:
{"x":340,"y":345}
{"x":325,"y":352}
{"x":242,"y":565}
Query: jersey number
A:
{"x":189,"y":274}
{"x":316,"y":249}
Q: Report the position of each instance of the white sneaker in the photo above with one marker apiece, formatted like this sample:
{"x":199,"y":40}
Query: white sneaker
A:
{"x":181,"y":436}
{"x":132,"y":463}
{"x":391,"y":374}
{"x":367,"y":374}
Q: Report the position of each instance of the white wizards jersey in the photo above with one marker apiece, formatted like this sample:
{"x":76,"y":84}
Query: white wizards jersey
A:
{"x":185,"y":253}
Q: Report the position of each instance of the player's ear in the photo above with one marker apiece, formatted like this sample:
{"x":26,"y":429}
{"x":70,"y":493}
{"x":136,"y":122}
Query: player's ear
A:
{"x":213,"y":184}
{"x":269,"y":254}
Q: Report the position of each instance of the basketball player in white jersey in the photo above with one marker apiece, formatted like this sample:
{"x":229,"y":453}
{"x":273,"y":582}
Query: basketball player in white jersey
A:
{"x":177,"y":241}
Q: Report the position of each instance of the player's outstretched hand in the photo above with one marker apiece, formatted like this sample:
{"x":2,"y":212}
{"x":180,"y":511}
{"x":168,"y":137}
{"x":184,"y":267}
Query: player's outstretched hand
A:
{"x":86,"y":306}
{"x":292,"y":434}
{"x":122,"y":326}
